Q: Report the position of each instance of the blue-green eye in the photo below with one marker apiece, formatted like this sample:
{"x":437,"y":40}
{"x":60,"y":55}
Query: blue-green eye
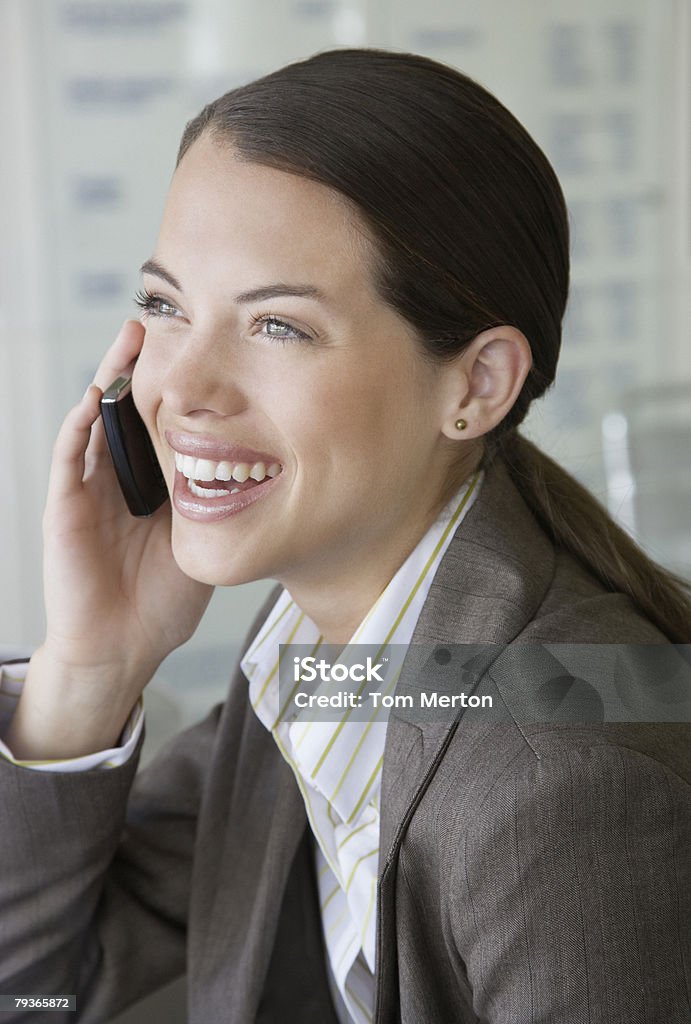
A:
{"x":279,"y":330}
{"x":155,"y":305}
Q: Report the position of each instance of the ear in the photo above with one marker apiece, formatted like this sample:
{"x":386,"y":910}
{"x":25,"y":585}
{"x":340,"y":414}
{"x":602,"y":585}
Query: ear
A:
{"x":485,"y":381}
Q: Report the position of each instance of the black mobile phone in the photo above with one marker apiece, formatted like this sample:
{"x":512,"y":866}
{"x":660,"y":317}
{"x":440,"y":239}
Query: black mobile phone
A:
{"x":138,"y":472}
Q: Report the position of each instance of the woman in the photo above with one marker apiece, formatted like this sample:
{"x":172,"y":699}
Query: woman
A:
{"x":356,"y":294}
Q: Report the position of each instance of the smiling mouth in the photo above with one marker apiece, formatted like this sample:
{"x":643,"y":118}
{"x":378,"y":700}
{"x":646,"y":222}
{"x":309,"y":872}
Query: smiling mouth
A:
{"x":208,"y":479}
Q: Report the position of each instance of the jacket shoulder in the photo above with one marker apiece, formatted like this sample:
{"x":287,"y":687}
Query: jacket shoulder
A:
{"x":577,"y":608}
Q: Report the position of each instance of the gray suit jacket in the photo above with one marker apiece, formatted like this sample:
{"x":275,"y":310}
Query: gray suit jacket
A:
{"x":529,"y":871}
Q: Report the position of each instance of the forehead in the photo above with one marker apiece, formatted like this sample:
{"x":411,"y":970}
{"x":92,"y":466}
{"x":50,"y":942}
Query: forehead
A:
{"x":222,"y":206}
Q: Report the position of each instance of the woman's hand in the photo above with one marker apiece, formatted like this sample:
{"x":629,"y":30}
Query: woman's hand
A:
{"x":116,"y":602}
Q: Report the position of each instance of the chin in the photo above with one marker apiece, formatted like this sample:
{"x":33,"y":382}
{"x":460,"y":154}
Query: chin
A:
{"x":202,"y":562}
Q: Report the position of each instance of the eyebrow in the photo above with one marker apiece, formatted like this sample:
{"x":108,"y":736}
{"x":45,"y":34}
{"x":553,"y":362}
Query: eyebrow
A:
{"x":267,"y":291}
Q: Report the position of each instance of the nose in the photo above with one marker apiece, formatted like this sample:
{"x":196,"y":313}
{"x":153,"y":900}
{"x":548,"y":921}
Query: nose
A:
{"x":203,"y":377}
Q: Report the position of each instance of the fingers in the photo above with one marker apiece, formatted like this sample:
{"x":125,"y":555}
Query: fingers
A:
{"x":118,"y":362}
{"x":67,"y":466}
{"x":82,"y":429}
{"x":119,"y":359}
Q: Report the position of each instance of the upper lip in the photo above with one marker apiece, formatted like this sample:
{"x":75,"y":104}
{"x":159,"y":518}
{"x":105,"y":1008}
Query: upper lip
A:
{"x":205,"y":446}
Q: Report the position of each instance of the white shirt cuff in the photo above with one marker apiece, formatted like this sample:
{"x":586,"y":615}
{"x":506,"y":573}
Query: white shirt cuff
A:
{"x":12,"y":678}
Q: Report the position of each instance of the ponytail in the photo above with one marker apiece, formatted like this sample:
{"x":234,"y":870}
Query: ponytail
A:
{"x":575,"y":520}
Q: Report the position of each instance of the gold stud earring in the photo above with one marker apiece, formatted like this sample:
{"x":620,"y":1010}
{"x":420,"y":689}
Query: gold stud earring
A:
{"x":460,"y":424}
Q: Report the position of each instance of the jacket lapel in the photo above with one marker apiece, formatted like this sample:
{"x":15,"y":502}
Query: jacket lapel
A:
{"x":255,"y":813}
{"x":489,"y":585}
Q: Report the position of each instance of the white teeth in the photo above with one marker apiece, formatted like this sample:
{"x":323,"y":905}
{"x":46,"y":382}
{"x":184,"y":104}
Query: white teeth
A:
{"x":235,"y":490}
{"x":206,"y":492}
{"x":206,"y":470}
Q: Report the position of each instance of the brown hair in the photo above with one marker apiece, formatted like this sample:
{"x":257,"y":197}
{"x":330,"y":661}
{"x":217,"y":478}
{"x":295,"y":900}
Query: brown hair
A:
{"x":472,"y":232}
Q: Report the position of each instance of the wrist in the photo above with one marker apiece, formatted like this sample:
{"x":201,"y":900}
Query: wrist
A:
{"x":69,"y":710}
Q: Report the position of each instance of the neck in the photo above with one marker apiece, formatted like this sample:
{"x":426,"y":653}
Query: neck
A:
{"x":338,"y":607}
{"x":339,"y":597}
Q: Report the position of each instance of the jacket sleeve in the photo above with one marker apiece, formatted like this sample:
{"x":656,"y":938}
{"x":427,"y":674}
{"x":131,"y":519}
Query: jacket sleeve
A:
{"x":95,"y":875}
{"x":574,"y":890}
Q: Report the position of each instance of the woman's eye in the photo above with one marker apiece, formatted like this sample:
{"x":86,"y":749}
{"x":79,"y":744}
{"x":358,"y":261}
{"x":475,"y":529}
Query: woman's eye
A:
{"x":268,"y":326}
{"x":278,"y":329}
{"x":164,"y":308}
{"x":154,"y":305}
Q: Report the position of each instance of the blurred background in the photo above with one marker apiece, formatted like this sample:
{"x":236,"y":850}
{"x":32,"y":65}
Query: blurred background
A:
{"x":94,"y":95}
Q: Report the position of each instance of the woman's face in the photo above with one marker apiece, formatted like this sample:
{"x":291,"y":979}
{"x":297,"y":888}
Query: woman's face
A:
{"x":267,"y":345}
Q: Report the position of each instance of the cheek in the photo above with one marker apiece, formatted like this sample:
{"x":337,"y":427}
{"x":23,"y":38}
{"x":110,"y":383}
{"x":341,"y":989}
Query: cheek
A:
{"x":350,"y":421}
{"x":340,"y":409}
{"x":385,"y":402}
{"x":359,"y":407}
{"x":146,"y":385}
